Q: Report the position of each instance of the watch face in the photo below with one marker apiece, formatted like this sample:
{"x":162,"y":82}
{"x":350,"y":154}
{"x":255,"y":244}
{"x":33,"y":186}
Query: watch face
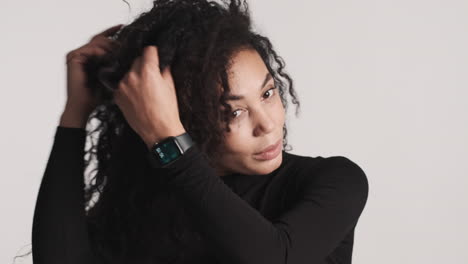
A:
{"x":167,"y":151}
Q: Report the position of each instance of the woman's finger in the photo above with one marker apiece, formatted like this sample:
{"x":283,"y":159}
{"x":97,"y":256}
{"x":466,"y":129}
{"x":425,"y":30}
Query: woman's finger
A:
{"x":99,"y":47}
{"x":81,"y":54}
{"x":167,"y":76}
{"x":136,"y":64}
{"x":105,"y":43}
{"x":110,"y":31}
{"x":151,"y":57}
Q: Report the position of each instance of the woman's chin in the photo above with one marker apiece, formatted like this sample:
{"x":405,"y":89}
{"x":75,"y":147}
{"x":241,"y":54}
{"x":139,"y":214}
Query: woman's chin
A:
{"x":268,"y":166}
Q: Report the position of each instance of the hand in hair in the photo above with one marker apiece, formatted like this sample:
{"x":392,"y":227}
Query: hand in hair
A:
{"x":80,"y":99}
{"x":147,"y":98}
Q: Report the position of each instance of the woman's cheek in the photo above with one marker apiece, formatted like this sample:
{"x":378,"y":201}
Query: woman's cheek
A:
{"x":279,"y":110}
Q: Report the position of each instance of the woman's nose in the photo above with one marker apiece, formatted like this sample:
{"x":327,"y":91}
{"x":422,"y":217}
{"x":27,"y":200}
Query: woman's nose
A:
{"x":264,"y":123}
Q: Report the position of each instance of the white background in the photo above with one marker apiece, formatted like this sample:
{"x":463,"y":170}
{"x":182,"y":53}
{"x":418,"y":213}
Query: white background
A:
{"x":384,"y":83}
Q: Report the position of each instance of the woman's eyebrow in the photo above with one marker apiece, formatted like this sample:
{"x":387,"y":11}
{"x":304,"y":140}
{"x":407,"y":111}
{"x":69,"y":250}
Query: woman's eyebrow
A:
{"x":236,"y":97}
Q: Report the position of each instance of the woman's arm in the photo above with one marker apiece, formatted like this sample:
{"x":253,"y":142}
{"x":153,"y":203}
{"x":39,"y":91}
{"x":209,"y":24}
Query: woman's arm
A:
{"x":333,"y":199}
{"x":59,"y":232}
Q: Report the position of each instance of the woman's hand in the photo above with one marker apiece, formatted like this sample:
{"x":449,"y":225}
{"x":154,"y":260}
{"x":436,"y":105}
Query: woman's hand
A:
{"x":80,"y":101}
{"x":148,"y":99}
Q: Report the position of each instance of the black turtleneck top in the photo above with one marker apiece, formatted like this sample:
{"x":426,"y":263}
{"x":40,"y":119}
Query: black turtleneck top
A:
{"x":305,"y":211}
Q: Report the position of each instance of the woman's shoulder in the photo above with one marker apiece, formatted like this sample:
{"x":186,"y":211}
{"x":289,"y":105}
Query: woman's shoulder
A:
{"x":333,"y":181}
{"x":337,"y":170}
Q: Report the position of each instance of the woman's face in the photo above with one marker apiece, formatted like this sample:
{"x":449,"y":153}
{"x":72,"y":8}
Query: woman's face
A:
{"x":258,"y":118}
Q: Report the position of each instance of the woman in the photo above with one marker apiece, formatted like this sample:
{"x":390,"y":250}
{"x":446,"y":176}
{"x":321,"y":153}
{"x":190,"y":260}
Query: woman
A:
{"x":191,"y":68}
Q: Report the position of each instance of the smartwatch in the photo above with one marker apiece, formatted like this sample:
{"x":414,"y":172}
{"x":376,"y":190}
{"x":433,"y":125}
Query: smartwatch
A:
{"x":166,"y":152}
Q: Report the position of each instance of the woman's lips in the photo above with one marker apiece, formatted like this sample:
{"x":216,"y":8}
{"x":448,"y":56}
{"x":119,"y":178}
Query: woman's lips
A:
{"x":271,"y":154}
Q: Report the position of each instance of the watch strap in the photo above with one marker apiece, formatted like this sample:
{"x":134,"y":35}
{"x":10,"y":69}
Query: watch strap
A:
{"x":184,"y":141}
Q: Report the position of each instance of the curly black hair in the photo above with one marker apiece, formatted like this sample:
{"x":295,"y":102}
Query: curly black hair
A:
{"x":131,"y":215}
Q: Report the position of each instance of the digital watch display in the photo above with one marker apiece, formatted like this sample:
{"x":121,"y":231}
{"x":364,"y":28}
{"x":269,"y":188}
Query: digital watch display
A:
{"x":170,"y":149}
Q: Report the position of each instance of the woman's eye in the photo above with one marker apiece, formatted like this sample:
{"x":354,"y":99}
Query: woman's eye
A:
{"x":234,"y":113}
{"x":270,"y":91}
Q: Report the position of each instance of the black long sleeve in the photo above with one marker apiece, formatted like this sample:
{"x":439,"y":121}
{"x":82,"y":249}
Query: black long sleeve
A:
{"x":334,"y":194}
{"x":59,"y":233}
{"x":303,"y":212}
